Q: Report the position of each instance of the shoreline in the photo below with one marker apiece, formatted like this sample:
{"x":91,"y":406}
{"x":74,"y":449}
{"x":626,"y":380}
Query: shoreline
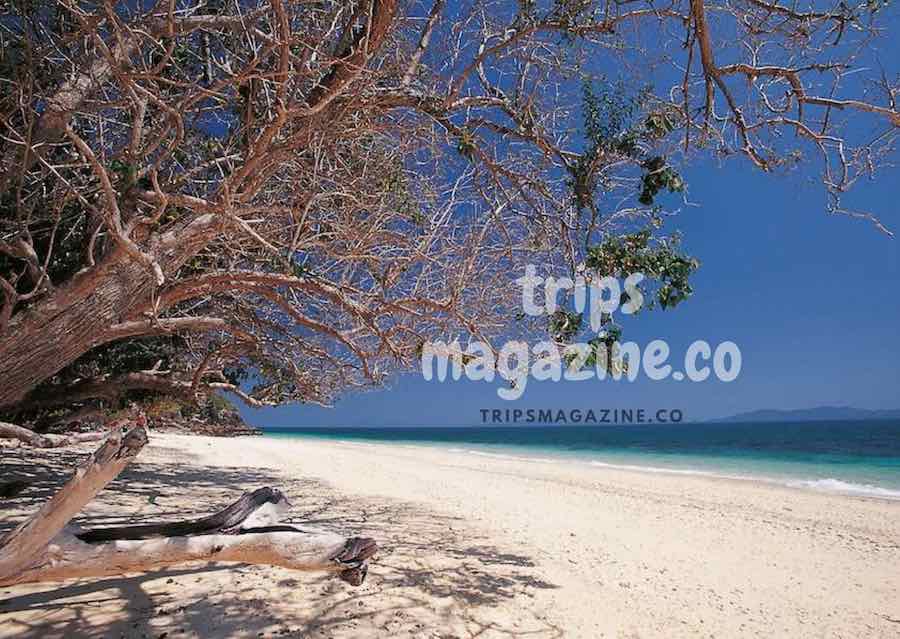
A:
{"x":823,"y":484}
{"x":476,"y":546}
{"x":657,"y":555}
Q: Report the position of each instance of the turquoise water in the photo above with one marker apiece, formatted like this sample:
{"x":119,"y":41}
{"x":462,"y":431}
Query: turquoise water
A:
{"x":858,"y":457}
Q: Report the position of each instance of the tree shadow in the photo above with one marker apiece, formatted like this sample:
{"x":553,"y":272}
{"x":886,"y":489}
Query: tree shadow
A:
{"x":434,"y":576}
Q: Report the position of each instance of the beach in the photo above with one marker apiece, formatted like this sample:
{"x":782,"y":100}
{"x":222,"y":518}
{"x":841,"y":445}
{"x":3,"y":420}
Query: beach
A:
{"x":479,"y":546}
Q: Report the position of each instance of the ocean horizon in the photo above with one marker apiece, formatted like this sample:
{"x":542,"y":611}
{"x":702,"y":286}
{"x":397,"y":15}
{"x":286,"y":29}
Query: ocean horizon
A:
{"x":859,"y":457}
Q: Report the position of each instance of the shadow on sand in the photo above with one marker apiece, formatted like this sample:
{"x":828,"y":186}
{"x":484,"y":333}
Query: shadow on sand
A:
{"x":433,"y":577}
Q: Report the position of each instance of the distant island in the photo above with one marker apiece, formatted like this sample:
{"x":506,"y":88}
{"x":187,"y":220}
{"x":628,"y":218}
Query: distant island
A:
{"x":820,"y":413}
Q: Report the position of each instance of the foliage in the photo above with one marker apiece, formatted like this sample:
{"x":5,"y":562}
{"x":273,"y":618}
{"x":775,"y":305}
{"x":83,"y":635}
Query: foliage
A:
{"x":125,"y":356}
{"x":564,"y":325}
{"x":613,"y":129}
{"x":660,"y":260}
{"x":657,"y":176}
{"x":286,"y":223}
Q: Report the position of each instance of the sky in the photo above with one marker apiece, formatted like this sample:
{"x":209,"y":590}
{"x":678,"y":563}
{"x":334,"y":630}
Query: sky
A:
{"x":812,"y":300}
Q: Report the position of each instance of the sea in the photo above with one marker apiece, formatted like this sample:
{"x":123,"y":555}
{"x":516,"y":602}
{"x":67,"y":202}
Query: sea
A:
{"x":851,"y":457}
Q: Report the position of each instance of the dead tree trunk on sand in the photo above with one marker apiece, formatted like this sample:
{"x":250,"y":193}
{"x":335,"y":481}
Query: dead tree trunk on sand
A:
{"x":37,"y":440}
{"x":43,"y":549}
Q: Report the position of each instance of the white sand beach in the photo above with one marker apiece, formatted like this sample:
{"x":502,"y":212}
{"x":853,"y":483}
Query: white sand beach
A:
{"x":485,"y":547}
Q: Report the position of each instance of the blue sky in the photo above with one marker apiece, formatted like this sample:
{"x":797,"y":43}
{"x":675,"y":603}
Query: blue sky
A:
{"x":812,"y":300}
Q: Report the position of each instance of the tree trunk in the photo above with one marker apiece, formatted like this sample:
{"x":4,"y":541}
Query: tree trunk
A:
{"x":248,"y":531}
{"x":22,"y":546}
{"x":37,"y":440}
{"x":262,"y":507}
{"x":77,"y":316}
{"x":68,"y":557}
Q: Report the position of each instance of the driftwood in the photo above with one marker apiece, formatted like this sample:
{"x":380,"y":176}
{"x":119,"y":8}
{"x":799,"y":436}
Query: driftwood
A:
{"x":38,"y":440}
{"x":21,"y":547}
{"x":262,"y":507}
{"x":68,"y":557}
{"x":248,"y":531}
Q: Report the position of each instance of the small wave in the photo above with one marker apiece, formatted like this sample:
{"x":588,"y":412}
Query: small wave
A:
{"x":829,"y":485}
{"x":506,"y":456}
{"x":674,"y":471}
{"x":833,"y":485}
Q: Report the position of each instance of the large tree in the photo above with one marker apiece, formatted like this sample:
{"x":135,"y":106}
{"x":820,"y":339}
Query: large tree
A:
{"x":302,"y":193}
{"x":287,"y":199}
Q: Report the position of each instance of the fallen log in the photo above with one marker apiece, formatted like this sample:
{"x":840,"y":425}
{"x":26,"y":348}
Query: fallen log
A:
{"x":38,"y":440}
{"x":24,"y":544}
{"x":262,"y":507}
{"x":69,"y":557}
{"x":248,"y":531}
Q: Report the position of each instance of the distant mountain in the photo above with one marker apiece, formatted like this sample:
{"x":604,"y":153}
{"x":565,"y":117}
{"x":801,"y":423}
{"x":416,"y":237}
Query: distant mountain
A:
{"x":821,"y":413}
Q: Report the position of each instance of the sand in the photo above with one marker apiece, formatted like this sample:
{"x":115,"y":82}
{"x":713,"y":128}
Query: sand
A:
{"x":484,"y":547}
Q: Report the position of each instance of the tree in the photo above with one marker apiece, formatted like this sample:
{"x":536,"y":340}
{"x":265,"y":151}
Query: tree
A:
{"x":299,"y":195}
